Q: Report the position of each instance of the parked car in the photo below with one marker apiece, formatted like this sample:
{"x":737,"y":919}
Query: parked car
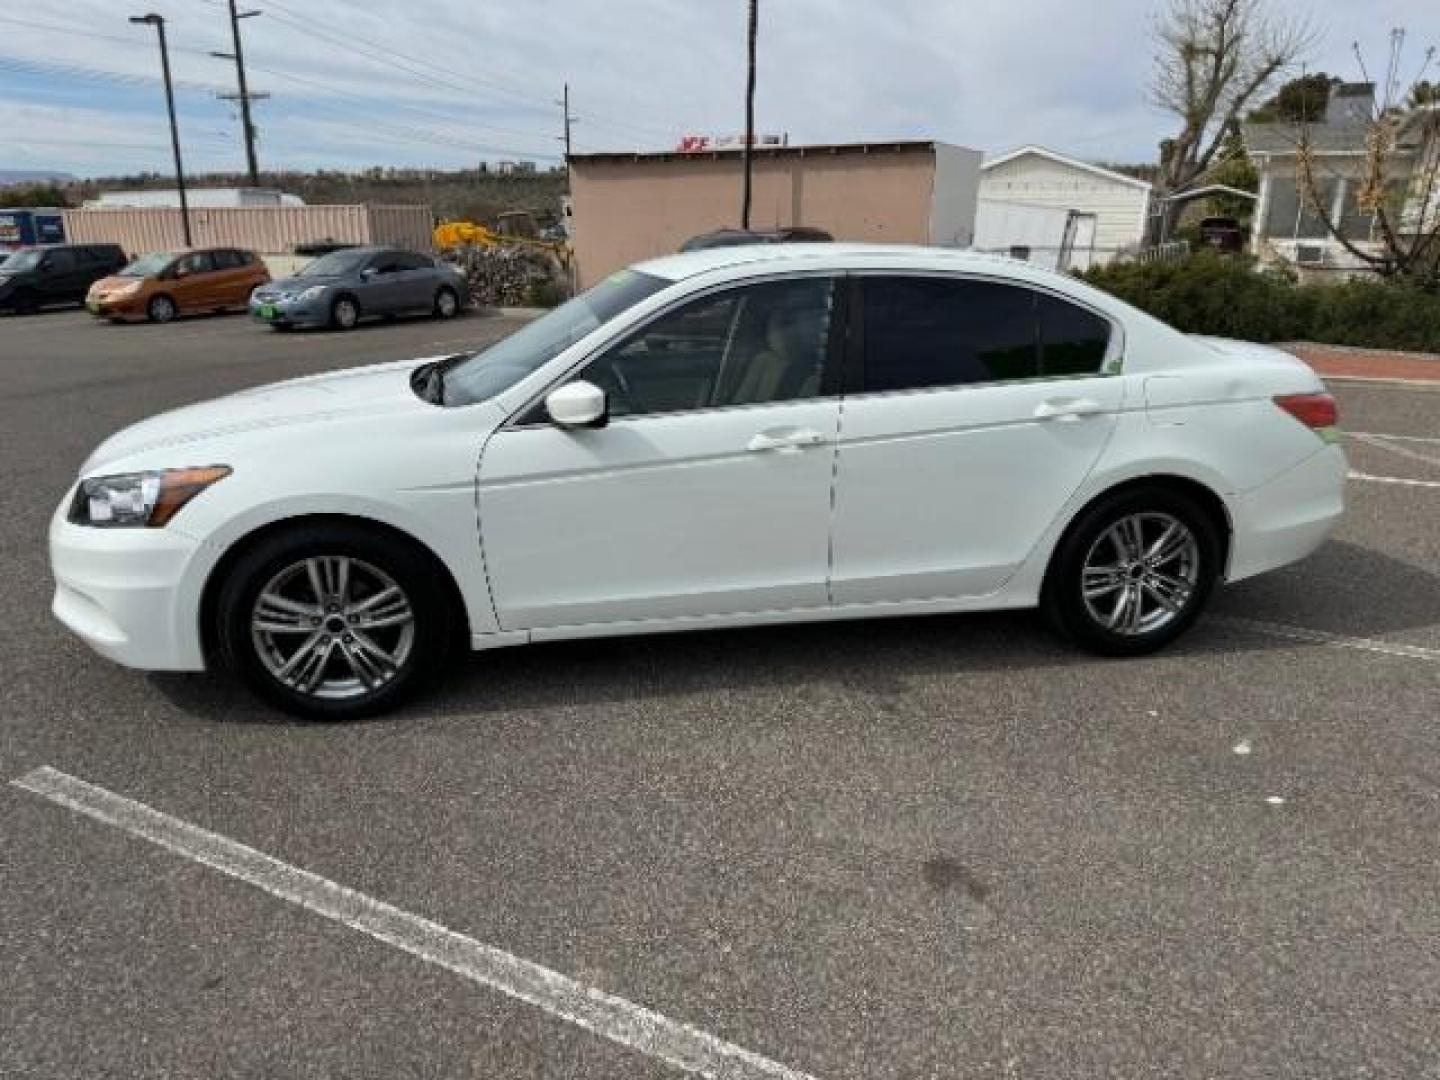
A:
{"x":666,"y":452}
{"x":794,"y":234}
{"x":164,"y":284}
{"x":351,"y":284}
{"x":54,"y":274}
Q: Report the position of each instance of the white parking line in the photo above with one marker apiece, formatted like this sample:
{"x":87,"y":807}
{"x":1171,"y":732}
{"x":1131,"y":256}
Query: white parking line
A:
{"x":1393,"y":438}
{"x":614,"y":1018}
{"x":1403,"y":481}
{"x":1321,"y":637}
{"x":1388,"y":446}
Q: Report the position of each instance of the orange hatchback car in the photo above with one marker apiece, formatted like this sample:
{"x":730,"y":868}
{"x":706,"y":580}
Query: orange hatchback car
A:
{"x":164,"y":284}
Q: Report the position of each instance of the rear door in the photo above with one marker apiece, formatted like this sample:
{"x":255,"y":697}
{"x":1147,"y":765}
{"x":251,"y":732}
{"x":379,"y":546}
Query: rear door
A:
{"x":974,"y":410}
{"x":232,"y":278}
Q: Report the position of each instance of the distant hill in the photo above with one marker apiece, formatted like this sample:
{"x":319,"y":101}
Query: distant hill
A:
{"x":9,"y":177}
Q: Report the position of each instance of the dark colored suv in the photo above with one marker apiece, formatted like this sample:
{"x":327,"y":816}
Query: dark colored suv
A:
{"x":35,"y":277}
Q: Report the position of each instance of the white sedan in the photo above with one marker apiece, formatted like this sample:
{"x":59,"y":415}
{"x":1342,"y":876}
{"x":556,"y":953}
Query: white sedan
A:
{"x":725,"y":438}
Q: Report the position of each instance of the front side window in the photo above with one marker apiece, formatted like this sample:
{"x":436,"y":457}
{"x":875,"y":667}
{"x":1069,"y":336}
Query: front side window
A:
{"x":197,"y":262}
{"x":923,"y":332}
{"x":340,"y":263}
{"x":749,"y":345}
{"x":61,"y":259}
{"x":147,"y":265}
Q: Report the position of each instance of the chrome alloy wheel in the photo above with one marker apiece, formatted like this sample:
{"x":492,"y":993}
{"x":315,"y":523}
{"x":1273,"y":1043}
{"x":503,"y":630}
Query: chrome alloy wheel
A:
{"x":1141,"y":573}
{"x":333,"y":627}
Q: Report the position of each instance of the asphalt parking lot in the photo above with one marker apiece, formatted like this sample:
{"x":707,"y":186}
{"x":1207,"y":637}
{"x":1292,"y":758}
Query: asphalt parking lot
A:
{"x":923,"y":848}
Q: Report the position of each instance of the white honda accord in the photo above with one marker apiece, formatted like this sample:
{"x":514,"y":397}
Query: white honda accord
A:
{"x":726,"y":438}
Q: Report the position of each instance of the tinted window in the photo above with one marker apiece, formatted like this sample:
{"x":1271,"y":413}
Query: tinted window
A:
{"x":336,"y":264}
{"x":61,"y":259}
{"x":1073,"y":341}
{"x":923,"y":332}
{"x":745,"y":346}
{"x":387,"y":262}
{"x":409,"y":261}
{"x":228,"y":260}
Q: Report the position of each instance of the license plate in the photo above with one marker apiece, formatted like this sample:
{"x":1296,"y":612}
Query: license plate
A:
{"x":267,"y":311}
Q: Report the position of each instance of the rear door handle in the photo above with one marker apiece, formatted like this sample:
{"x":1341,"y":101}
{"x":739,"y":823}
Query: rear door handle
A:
{"x":785,"y":440}
{"x":1067,"y":410}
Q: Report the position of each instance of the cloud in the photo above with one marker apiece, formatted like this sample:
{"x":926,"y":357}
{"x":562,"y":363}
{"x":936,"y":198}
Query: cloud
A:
{"x":448,"y":82}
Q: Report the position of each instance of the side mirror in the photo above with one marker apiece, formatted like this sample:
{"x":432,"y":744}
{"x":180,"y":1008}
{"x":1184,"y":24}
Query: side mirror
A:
{"x":578,"y":404}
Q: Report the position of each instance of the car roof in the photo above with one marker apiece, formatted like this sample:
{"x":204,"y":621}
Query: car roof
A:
{"x":832,"y":256}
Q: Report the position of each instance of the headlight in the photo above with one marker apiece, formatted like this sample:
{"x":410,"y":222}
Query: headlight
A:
{"x":128,"y":290}
{"x":314,"y":292}
{"x":140,"y":500}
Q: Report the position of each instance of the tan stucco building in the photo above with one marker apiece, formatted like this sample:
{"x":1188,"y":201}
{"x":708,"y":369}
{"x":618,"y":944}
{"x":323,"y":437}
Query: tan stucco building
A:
{"x":629,"y":207}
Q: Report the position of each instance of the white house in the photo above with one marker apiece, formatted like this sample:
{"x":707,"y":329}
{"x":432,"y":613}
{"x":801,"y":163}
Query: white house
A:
{"x":1287,"y":226}
{"x":1107,"y":210}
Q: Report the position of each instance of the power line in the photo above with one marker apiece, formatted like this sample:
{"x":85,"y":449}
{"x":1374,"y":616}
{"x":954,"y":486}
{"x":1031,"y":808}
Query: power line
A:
{"x":244,"y":96}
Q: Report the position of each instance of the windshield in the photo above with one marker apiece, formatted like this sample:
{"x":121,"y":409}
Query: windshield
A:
{"x":480,"y":376}
{"x":21,"y":260}
{"x":336,"y":264}
{"x":148,"y":265}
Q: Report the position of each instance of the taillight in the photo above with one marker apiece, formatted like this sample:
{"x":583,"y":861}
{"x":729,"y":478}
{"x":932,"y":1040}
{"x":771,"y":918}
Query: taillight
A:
{"x":1316,"y":411}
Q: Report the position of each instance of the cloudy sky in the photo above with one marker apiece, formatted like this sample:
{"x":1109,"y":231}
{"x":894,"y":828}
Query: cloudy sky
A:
{"x":450,"y":82}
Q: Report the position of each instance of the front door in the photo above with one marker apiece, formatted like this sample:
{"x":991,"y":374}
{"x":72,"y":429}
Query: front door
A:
{"x":197,"y":285}
{"x":981,"y":407}
{"x":708,"y":492}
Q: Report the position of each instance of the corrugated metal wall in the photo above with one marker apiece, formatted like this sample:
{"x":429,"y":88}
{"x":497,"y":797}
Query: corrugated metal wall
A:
{"x":269,"y":230}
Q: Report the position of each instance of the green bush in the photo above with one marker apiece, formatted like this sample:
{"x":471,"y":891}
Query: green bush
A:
{"x":1229,"y":296}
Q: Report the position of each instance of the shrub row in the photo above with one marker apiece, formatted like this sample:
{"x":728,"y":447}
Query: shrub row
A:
{"x":1228,"y":296}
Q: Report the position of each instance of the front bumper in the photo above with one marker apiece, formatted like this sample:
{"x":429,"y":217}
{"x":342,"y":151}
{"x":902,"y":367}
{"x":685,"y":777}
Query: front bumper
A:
{"x":123,"y":592}
{"x":282,"y":312}
{"x":114,"y":307}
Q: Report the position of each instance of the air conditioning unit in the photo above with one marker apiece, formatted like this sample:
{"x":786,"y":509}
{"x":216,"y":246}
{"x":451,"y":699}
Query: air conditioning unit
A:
{"x":1310,"y":255}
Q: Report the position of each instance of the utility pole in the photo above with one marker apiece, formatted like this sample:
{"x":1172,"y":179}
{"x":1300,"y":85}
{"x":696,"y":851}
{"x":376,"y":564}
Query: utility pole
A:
{"x":749,"y":115}
{"x":244,"y":96}
{"x":158,"y":21}
{"x":564,"y":103}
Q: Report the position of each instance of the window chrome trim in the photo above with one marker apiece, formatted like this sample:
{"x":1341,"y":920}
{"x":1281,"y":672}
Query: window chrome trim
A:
{"x":837,"y":275}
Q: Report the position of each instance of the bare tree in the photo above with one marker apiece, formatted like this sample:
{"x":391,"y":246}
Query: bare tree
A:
{"x":1397,"y":184}
{"x":1213,"y":59}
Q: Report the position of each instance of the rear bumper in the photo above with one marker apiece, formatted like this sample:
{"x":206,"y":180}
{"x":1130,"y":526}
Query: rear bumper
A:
{"x":122,"y":592}
{"x":1286,"y":519}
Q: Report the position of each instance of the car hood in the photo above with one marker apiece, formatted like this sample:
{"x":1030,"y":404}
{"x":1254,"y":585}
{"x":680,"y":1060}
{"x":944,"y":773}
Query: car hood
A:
{"x":115,"y":281}
{"x":313,"y":401}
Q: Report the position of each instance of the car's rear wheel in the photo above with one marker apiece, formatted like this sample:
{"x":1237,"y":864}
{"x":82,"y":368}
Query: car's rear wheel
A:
{"x":333,"y":622}
{"x":161,"y":309}
{"x":344,"y":313}
{"x":1134,"y":572}
{"x":446,"y":304}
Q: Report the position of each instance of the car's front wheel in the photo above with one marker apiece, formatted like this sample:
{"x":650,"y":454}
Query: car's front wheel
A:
{"x":1134,"y":572}
{"x":344,"y":313}
{"x":161,"y":309}
{"x":447,"y":303}
{"x":333,"y":622}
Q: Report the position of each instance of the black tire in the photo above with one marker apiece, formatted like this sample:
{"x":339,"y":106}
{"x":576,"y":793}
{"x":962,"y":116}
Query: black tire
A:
{"x":1063,"y":600}
{"x":447,"y":303}
{"x":161,"y":309}
{"x":344,"y":313}
{"x":240,"y":644}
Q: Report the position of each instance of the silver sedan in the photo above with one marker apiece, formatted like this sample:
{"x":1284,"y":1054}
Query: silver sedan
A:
{"x":345,"y":286}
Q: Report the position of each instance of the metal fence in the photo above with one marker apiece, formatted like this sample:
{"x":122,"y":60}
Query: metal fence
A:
{"x":269,"y":230}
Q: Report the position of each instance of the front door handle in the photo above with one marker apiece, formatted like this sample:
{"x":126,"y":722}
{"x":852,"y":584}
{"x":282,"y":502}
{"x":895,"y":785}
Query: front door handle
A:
{"x":785,"y":440}
{"x":1067,"y":410}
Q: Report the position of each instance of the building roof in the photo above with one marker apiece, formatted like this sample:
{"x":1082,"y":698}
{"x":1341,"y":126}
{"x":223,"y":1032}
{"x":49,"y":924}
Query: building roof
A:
{"x":1069,"y":162}
{"x":760,"y":152}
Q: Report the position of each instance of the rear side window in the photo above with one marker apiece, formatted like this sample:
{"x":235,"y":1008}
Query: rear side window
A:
{"x":923,"y":332}
{"x":61,"y":259}
{"x":1073,"y":341}
{"x":229,"y":260}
